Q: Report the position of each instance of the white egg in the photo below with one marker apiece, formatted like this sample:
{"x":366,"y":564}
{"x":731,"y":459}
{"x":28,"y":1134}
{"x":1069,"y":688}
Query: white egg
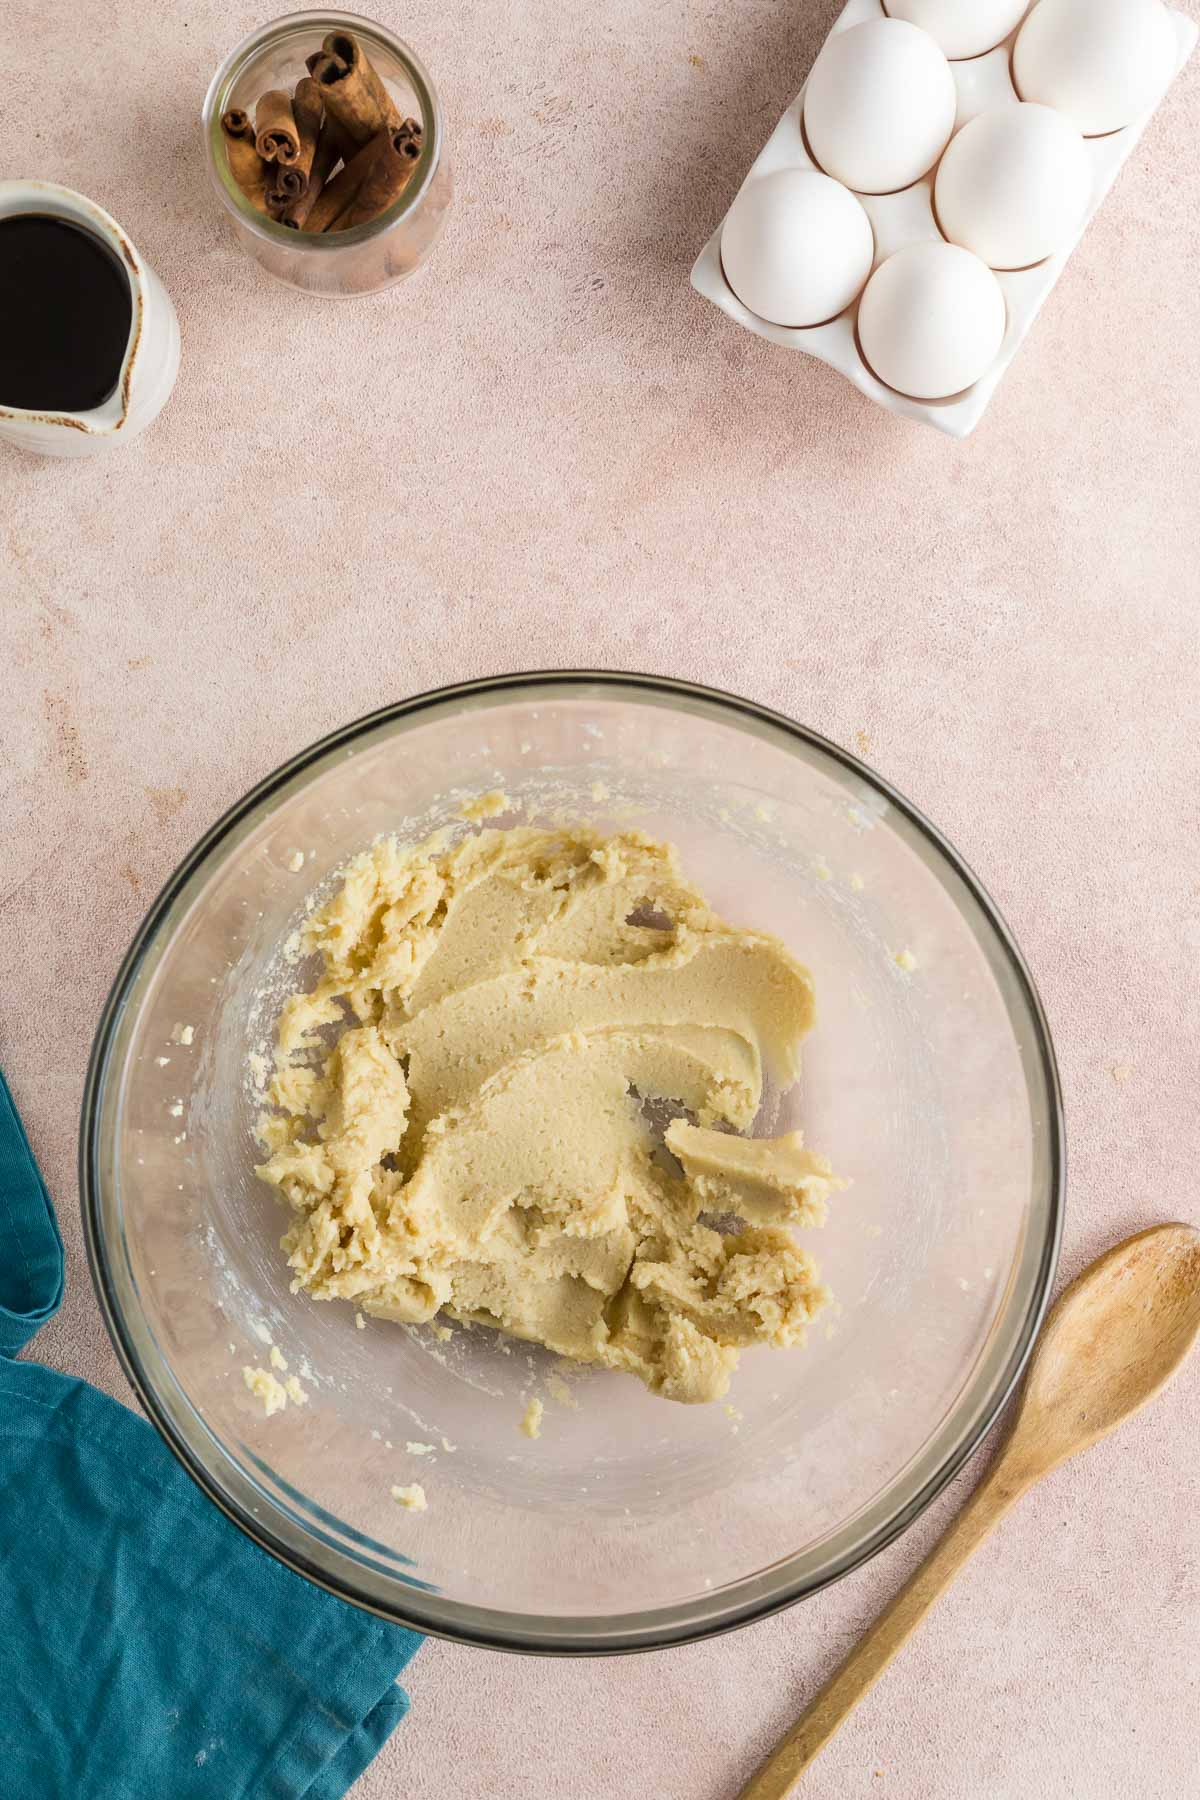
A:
{"x":1014,"y":185}
{"x":879,"y":107}
{"x":961,"y":28}
{"x":1102,"y":62}
{"x":796,"y":247}
{"x":931,"y":320}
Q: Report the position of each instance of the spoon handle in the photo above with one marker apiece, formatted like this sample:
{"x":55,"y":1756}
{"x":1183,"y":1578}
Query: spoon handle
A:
{"x":1004,"y":1484}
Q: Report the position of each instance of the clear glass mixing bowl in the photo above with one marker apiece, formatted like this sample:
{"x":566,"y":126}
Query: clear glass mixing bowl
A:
{"x":631,"y":1523}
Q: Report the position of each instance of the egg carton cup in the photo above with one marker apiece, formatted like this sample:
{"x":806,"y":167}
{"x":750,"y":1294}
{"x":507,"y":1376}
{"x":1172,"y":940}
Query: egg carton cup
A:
{"x":907,"y":217}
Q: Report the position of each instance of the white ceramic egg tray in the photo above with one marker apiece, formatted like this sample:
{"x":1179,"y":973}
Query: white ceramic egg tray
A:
{"x":907,"y":217}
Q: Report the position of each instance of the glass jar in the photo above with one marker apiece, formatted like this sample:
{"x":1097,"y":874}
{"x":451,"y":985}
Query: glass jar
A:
{"x":366,"y":257}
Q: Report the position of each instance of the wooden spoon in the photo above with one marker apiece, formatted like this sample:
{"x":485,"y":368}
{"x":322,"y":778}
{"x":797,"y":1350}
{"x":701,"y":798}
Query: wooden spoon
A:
{"x":1112,"y":1339}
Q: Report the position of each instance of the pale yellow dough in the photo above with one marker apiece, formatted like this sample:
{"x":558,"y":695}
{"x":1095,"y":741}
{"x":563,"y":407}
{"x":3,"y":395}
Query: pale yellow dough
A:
{"x":531,"y":1424}
{"x":460,"y":1106}
{"x":267,"y":1388}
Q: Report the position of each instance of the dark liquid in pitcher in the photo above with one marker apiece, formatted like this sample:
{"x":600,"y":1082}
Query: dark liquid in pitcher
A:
{"x":65,"y":312}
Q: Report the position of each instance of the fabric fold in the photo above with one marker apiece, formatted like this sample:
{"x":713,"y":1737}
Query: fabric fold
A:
{"x":149,"y":1647}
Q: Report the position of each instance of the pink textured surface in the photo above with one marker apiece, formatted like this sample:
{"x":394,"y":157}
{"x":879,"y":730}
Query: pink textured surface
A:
{"x":547,"y":451}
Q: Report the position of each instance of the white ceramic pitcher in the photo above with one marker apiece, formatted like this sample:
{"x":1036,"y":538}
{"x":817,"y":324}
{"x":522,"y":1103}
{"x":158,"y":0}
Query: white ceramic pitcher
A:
{"x":151,"y":356}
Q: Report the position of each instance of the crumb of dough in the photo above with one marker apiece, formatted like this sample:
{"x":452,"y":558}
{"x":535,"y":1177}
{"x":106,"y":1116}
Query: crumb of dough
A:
{"x":531,"y":1424}
{"x":182,"y":1034}
{"x":442,"y":1333}
{"x":176,"y":1109}
{"x":856,"y":883}
{"x":162,"y":1061}
{"x":822,"y":870}
{"x":1121,"y":1072}
{"x":264,"y":1386}
{"x":485,"y":806}
{"x":295,"y":861}
{"x":447,"y":1445}
{"x":558,"y":1390}
{"x":731,"y":1412}
{"x":411,"y":1498}
{"x":599,"y":793}
{"x":360,"y":1324}
{"x":904,"y":959}
{"x":277,"y":1359}
{"x":461,"y":1117}
{"x":295,"y":1392}
{"x":420,"y":1449}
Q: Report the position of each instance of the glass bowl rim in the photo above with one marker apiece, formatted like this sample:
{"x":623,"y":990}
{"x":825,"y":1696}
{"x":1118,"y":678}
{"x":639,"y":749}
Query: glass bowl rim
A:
{"x":682,"y":1622}
{"x":321,"y":243}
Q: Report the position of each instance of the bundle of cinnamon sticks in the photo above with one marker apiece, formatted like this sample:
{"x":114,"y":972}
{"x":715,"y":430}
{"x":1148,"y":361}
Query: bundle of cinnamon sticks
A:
{"x":331,"y":155}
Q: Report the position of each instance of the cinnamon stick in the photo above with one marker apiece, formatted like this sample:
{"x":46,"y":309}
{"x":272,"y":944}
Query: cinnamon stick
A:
{"x":352,"y":90}
{"x":387,"y":177}
{"x":308,"y":109}
{"x":338,"y":193}
{"x":278,"y":139}
{"x":348,"y":50}
{"x":332,"y":146}
{"x":245,"y":164}
{"x":292,"y":183}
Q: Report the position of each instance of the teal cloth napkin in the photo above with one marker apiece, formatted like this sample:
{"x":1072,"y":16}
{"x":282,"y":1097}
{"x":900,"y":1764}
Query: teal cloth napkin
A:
{"x":148,"y":1650}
